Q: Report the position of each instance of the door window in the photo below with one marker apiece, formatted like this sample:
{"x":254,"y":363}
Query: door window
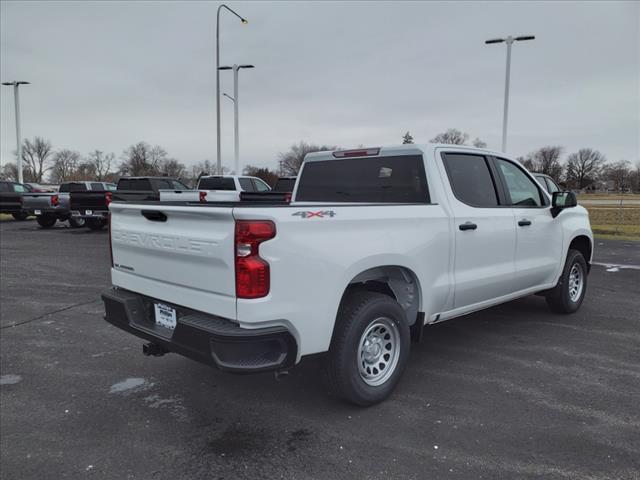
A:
{"x":260,"y":185}
{"x":522,"y":189}
{"x":551,"y":186}
{"x":97,"y":186}
{"x":19,"y":188}
{"x":246,"y":184}
{"x":471,"y":179}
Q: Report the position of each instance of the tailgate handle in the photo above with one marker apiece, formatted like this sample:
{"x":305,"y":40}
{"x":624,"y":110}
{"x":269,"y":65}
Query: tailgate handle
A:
{"x":154,"y":215}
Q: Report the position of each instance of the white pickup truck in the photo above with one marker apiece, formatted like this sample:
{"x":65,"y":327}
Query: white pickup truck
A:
{"x":375,"y":244}
{"x":216,"y":188}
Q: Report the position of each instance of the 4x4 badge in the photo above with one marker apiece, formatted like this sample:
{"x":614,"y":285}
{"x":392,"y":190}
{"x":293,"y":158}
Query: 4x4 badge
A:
{"x":319,"y":214}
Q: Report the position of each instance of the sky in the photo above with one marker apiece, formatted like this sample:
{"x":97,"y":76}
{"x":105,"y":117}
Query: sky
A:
{"x":105,"y":75}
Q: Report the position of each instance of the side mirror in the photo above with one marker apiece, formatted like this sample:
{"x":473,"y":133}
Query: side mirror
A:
{"x":562,"y":200}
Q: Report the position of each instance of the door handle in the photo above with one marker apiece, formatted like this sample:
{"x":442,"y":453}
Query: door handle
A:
{"x":154,"y":215}
{"x":467,"y":226}
{"x":524,"y":222}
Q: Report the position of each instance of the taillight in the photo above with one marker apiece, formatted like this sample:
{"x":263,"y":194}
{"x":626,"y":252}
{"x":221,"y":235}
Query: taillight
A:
{"x":252,"y":271}
{"x":107,"y":198}
{"x":203,"y":196}
{"x":55,"y":200}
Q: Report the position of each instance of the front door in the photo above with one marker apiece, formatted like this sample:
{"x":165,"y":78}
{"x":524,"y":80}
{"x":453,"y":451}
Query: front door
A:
{"x":538,"y":234}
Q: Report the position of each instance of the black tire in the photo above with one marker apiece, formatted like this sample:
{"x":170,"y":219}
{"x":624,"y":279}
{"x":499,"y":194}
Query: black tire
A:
{"x":360,"y":312}
{"x":20,"y":216}
{"x":76,"y":222}
{"x":95,"y":223}
{"x":565,"y":297}
{"x":46,"y":221}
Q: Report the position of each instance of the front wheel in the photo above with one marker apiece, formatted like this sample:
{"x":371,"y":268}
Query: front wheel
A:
{"x":20,"y":216}
{"x":46,"y":221}
{"x":369,"y":348}
{"x":95,"y":223}
{"x":568,"y":294}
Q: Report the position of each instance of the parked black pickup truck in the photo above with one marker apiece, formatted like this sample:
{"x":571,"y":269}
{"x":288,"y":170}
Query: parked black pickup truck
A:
{"x":133,"y":189}
{"x":92,"y":204}
{"x":90,"y":201}
{"x":11,"y":199}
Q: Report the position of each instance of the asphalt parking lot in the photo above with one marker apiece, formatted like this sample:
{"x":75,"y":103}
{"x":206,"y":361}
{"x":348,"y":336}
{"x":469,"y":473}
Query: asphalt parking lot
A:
{"x":512,"y":392}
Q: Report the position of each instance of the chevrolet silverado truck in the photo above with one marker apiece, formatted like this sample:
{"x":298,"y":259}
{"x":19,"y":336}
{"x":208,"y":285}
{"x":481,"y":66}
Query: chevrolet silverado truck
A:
{"x":89,"y":202}
{"x":216,"y":188}
{"x":375,"y":245}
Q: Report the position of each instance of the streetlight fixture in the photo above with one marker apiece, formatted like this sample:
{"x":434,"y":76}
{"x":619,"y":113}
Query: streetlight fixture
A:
{"x":509,"y":41}
{"x":16,"y":98}
{"x":236,"y":114}
{"x":244,"y":21}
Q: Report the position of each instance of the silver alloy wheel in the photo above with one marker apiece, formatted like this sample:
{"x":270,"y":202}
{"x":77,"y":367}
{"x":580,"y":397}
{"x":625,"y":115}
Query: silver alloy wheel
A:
{"x":378,"y":351}
{"x":576,"y":282}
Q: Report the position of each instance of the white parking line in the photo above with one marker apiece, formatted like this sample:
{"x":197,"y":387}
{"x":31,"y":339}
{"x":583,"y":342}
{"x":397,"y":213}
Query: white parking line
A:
{"x":617,"y":265}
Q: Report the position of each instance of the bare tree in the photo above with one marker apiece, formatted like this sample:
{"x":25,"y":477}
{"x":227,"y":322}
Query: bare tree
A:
{"x":407,"y":138}
{"x":546,"y":160}
{"x":264,"y":173}
{"x":291,"y":161}
{"x":452,"y":136}
{"x":619,"y":173}
{"x":84,"y":171}
{"x":584,"y":167}
{"x":171,"y":167}
{"x":635,"y":178}
{"x":9,"y":171}
{"x":102,"y":163}
{"x":142,"y":159}
{"x":479,"y":143}
{"x":36,"y":156}
{"x":65,"y":163}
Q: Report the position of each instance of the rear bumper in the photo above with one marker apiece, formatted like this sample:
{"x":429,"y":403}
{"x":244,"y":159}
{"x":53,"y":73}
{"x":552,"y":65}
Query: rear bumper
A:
{"x":83,"y":213}
{"x":206,"y":338}
{"x":57,"y":212}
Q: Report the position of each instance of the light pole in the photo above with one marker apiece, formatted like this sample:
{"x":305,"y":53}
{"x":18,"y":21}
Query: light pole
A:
{"x":509,"y":41}
{"x":243,"y":20}
{"x":236,"y":114}
{"x":16,"y":98}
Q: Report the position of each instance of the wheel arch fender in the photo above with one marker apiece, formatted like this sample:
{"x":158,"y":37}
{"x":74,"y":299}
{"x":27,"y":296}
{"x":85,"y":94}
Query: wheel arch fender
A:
{"x":391,"y":275}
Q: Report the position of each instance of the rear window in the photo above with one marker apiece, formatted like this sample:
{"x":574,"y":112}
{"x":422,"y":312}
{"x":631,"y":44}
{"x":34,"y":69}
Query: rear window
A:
{"x":133,"y":184}
{"x":398,"y":179}
{"x":471,"y":179}
{"x":216,"y":183}
{"x":73,"y":187}
{"x":284,"y":185}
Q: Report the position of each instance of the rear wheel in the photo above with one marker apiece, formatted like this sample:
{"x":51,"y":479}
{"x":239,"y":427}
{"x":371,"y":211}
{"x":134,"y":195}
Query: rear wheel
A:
{"x":20,"y":216}
{"x":567,"y":295}
{"x":46,"y":221}
{"x":369,"y":349}
{"x":95,"y":223}
{"x":76,"y":222}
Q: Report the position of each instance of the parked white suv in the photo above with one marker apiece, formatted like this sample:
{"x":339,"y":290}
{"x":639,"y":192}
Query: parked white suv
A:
{"x":376,"y":244}
{"x":216,"y":188}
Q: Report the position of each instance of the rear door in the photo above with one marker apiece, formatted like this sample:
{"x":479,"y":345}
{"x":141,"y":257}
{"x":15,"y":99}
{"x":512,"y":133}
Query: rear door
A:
{"x":485,"y":235}
{"x":539,"y":235}
{"x":181,"y":254}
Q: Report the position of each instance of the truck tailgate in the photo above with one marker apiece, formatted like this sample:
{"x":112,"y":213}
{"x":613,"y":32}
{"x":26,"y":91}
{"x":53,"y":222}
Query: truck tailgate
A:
{"x":180,"y":254}
{"x":34,"y":201}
